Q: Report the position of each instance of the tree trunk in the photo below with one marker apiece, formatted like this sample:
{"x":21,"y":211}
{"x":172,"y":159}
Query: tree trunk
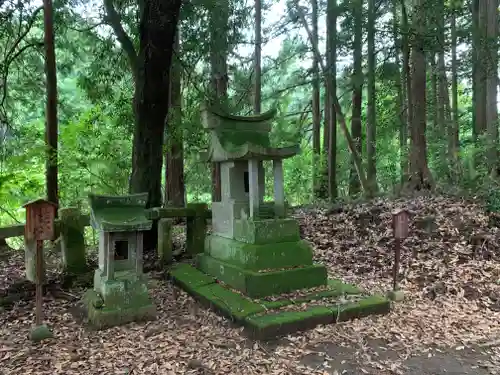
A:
{"x":491,"y":85}
{"x":442,"y":93}
{"x":420,"y":176}
{"x":336,"y":105}
{"x":330,"y":133}
{"x":174,"y":157}
{"x":481,"y":69}
{"x":51,"y":104}
{"x":405,"y":173}
{"x":402,"y":125}
{"x":371,"y":125}
{"x":157,"y":29}
{"x":219,"y":19}
{"x":316,"y":114}
{"x":257,"y":61}
{"x":357,"y":91}
{"x":453,"y":138}
{"x":434,"y":97}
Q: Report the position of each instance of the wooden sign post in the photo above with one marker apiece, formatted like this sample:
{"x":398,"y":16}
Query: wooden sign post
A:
{"x":400,"y":223}
{"x":40,"y":215}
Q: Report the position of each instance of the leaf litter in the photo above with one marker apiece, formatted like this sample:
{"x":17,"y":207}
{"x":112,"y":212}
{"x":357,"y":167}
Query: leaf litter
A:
{"x":450,"y":276}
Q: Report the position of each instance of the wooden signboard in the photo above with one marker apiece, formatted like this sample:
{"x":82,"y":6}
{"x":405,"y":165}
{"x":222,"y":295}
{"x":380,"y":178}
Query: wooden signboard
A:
{"x":40,"y":215}
{"x":400,"y":223}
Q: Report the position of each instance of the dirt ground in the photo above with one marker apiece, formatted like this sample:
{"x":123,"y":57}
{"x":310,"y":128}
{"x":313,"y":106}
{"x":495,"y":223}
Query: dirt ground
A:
{"x":448,"y":324}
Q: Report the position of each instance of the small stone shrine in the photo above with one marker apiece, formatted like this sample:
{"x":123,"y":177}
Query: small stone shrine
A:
{"x":254,"y":247}
{"x":120,"y":293}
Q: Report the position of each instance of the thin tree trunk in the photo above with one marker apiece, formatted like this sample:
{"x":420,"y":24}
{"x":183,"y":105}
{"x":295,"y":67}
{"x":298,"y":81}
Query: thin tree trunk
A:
{"x":357,"y":91}
{"x":51,"y":104}
{"x":336,"y":105}
{"x":371,"y":125}
{"x":454,"y":137}
{"x":174,"y":157}
{"x":316,"y":114}
{"x":434,"y":97}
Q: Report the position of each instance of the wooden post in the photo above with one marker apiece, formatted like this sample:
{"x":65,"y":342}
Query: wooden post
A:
{"x":40,"y":215}
{"x":400,"y":220}
{"x":39,"y":282}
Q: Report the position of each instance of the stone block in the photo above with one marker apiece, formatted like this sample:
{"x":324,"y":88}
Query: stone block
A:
{"x":102,"y":316}
{"x":259,"y":257}
{"x":262,"y":284}
{"x":165,"y":250}
{"x":72,"y":231}
{"x":196,"y":228}
{"x":266,"y":231}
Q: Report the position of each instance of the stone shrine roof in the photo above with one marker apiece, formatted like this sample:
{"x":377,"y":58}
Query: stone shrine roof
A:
{"x":242,"y":137}
{"x":119,"y":213}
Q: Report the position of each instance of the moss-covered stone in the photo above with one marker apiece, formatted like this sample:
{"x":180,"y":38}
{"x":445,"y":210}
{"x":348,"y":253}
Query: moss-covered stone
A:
{"x":190,"y":278}
{"x":261,"y":318}
{"x":39,"y":333}
{"x":231,"y":304}
{"x":371,"y":305}
{"x":72,"y":231}
{"x":266,"y":231}
{"x":278,"y":324}
{"x":196,"y":228}
{"x":259,"y":257}
{"x":165,"y":246}
{"x":262,"y":284}
{"x":101,"y":316}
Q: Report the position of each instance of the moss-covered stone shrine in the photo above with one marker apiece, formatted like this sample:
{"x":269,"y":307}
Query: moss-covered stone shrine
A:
{"x":255,"y":256}
{"x":120,"y":293}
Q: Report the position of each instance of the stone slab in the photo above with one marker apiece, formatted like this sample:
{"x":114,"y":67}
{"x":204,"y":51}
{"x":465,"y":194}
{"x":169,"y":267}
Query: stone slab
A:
{"x":266,"y":231}
{"x":262,"y":284}
{"x":102,"y":317}
{"x":259,"y":257}
{"x":262,"y":321}
{"x":190,"y":278}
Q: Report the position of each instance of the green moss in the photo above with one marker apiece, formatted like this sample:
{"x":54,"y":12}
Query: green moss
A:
{"x":233,"y":304}
{"x":277,"y":324}
{"x":262,"y":284}
{"x":371,"y":305}
{"x":259,"y":257}
{"x":101,"y":316}
{"x":189,"y":277}
{"x":266,"y":231}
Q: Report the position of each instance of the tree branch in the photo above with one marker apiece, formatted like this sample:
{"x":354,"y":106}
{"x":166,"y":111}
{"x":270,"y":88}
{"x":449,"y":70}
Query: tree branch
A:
{"x":114,"y":20}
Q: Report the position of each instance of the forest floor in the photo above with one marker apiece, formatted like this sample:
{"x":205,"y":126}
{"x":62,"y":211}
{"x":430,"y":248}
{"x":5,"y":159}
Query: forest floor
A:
{"x":448,"y":324}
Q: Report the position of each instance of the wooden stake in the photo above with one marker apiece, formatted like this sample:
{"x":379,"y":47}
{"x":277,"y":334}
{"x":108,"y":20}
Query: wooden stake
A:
{"x":39,"y":283}
{"x":397,"y":257}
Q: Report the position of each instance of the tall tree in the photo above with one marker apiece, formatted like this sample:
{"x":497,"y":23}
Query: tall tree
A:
{"x":371,"y":124}
{"x":420,"y":175}
{"x":157,"y":29}
{"x":453,"y":138}
{"x":491,"y":17}
{"x":257,"y":58}
{"x":330,"y":127}
{"x":316,"y":114}
{"x":357,"y":89}
{"x":174,"y":157}
{"x":51,"y":105}
{"x":219,"y":19}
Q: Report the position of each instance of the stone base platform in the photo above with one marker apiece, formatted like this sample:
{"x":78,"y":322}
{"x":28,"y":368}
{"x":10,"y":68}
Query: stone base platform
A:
{"x":267,"y":318}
